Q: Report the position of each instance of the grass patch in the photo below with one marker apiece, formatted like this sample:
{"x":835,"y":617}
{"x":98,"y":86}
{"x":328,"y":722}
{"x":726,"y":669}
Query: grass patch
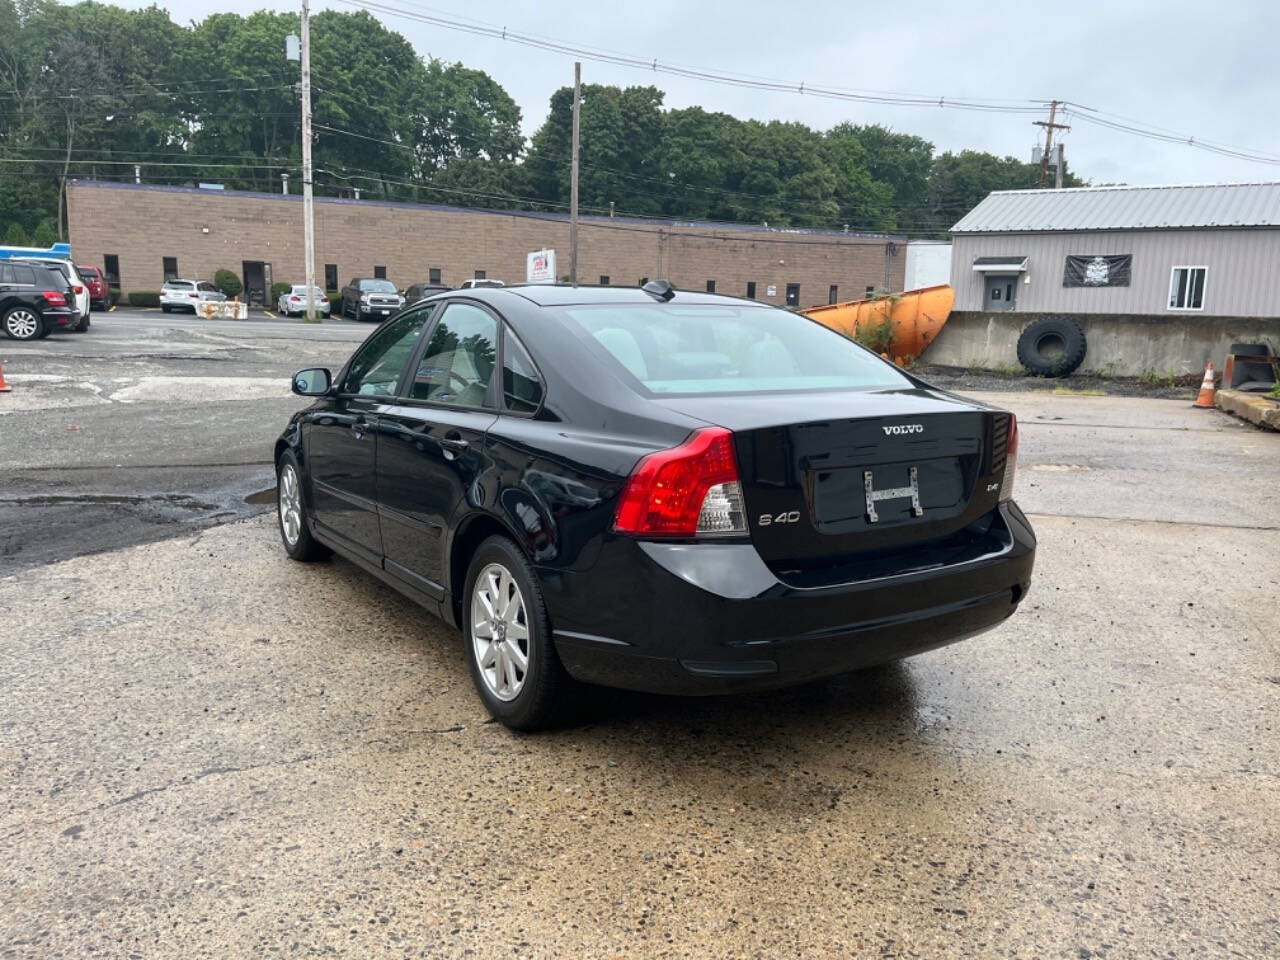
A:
{"x":1069,"y":392}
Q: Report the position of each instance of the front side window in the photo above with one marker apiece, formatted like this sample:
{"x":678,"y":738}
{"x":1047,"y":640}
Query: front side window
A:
{"x":713,"y":349}
{"x":1186,"y":288}
{"x":458,"y":362}
{"x":521,"y":388}
{"x":377,"y":367}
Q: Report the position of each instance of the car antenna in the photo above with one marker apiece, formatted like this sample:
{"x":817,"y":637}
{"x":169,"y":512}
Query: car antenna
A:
{"x":659,"y":290}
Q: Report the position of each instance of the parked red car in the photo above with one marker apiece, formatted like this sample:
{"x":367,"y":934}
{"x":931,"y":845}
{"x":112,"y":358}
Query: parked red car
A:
{"x":99,"y":293}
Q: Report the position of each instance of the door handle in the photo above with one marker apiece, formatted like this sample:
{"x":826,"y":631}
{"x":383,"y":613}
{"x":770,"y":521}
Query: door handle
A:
{"x":359,"y":428}
{"x":452,"y":444}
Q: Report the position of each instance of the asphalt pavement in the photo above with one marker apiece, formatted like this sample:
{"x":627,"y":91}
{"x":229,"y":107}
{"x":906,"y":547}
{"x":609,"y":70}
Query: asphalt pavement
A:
{"x":210,"y":751}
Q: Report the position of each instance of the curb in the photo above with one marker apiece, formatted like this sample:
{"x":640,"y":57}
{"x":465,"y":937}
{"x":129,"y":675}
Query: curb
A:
{"x":1257,"y":409}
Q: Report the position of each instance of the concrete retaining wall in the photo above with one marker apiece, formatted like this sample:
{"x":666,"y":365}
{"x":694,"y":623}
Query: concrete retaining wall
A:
{"x":1118,"y":345}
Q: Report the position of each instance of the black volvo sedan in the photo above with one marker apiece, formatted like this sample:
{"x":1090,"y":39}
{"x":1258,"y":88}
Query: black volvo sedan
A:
{"x":658,"y":490}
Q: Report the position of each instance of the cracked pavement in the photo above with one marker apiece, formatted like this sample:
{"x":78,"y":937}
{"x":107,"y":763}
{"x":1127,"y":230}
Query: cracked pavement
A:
{"x":210,"y":751}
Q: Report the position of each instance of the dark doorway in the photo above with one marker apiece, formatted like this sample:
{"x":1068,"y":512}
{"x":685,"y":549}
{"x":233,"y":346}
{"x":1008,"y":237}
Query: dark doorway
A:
{"x":793,"y":294}
{"x":170,"y":268}
{"x":257,"y":281}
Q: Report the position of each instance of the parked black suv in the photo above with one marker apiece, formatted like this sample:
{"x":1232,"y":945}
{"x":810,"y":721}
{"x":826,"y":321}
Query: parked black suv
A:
{"x":35,"y":300}
{"x":420,"y":291}
{"x":370,"y":297}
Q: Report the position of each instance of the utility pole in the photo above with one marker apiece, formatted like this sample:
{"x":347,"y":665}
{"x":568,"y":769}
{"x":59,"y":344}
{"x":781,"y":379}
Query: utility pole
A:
{"x":573,"y":178}
{"x":1048,"y":143}
{"x":1059,"y":163}
{"x":308,"y":213}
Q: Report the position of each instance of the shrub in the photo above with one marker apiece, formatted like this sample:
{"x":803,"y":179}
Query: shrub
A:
{"x":144,"y":298}
{"x":227,"y":282}
{"x":278,"y":290}
{"x":113,"y":295}
{"x":335,"y":299}
{"x":875,"y":336}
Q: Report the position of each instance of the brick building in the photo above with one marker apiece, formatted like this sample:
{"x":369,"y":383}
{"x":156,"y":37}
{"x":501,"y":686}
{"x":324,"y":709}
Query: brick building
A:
{"x":141,"y":233}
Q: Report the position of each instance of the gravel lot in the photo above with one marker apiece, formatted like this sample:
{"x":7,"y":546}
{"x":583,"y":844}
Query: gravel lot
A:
{"x":209,"y":751}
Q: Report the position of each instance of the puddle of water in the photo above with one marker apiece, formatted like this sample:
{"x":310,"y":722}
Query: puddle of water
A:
{"x":267,"y":496}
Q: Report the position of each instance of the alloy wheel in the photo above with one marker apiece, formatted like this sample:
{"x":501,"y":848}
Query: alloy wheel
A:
{"x":290,"y":505}
{"x":22,"y":324}
{"x":500,"y":632}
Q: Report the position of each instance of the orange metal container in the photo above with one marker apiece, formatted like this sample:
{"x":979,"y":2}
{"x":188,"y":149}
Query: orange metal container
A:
{"x":915,"y":316}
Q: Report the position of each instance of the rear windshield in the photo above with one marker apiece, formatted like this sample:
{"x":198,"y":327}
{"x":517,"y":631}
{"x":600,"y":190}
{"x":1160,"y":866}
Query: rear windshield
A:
{"x":378,"y":286}
{"x":702,"y":349}
{"x":179,"y":284}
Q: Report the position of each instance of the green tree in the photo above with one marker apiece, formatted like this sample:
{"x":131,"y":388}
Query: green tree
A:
{"x":44,"y":236}
{"x":227,"y":281}
{"x":15,"y":236}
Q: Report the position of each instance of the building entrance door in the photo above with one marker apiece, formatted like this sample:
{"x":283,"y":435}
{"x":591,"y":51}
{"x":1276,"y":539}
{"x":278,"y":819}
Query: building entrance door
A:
{"x":257,"y":281}
{"x":1001,"y":291}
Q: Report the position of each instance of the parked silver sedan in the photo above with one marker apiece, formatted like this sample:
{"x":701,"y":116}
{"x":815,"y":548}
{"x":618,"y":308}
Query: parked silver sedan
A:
{"x":295,"y":301}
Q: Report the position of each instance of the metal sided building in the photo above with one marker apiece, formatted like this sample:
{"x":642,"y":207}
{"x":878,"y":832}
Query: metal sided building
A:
{"x":1160,"y":278}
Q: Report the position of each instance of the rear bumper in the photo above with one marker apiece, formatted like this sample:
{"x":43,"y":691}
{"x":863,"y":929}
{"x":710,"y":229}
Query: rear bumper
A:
{"x":712,"y":618}
{"x":60,"y":318}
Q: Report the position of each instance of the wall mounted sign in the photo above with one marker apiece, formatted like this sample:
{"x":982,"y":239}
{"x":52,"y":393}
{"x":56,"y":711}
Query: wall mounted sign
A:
{"x":1098,"y":271}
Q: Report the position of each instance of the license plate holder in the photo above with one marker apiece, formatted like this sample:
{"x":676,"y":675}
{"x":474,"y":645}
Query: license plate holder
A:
{"x":874,"y":496}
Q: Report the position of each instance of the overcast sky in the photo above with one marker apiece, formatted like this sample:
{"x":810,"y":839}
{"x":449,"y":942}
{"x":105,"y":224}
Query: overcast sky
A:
{"x":1206,"y":70}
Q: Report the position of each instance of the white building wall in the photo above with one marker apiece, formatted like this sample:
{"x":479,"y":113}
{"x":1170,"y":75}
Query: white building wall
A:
{"x":928,"y":263}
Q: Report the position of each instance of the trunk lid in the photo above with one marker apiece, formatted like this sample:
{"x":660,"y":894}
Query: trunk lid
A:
{"x":835,"y":478}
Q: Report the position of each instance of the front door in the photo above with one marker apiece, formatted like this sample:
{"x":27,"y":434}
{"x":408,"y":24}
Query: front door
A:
{"x":1001,"y":293}
{"x":341,"y":438}
{"x":255,"y":282}
{"x":431,"y":447}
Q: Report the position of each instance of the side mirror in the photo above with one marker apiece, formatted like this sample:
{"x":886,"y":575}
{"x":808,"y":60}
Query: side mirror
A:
{"x":312,"y":382}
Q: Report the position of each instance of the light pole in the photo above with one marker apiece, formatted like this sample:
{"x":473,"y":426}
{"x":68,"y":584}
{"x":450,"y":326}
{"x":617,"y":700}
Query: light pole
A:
{"x":308,"y":212}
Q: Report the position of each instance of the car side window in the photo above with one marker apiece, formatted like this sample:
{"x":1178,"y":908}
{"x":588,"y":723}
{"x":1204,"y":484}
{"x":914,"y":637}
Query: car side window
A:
{"x":459,"y":360}
{"x":24,"y":275}
{"x":521,"y":388}
{"x":377,"y":367}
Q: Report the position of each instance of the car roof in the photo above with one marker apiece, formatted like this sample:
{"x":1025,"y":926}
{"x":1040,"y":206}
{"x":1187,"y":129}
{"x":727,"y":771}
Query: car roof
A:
{"x":563,"y":294}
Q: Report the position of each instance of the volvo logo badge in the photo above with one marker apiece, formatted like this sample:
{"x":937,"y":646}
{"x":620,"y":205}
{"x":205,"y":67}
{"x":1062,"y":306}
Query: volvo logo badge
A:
{"x":902,"y":428}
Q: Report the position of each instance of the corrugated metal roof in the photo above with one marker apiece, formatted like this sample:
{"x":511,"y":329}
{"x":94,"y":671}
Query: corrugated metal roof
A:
{"x":1214,"y":205}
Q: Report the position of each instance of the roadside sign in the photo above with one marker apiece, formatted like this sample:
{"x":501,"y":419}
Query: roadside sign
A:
{"x":540,"y":267}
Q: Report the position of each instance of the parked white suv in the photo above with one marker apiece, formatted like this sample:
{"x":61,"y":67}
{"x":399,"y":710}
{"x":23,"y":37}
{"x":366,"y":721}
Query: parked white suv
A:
{"x":188,"y":294}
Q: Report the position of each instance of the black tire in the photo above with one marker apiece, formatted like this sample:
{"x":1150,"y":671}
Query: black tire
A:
{"x":165,"y":308}
{"x":25,"y":323}
{"x":303,"y":547}
{"x":1052,"y":347}
{"x":82,"y":326}
{"x":546,"y":693}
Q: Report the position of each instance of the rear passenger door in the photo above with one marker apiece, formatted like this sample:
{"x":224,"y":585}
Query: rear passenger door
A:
{"x":431,"y":453}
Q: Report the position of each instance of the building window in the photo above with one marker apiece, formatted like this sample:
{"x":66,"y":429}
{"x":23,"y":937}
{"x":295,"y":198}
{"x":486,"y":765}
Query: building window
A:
{"x":871,"y":291}
{"x":433,"y":275}
{"x":793,"y":294}
{"x":111,"y":269}
{"x":833,"y":294}
{"x":711,"y":286}
{"x":751,"y":289}
{"x":331,"y":276}
{"x":380,"y":273}
{"x":479,"y":274}
{"x":604,"y":279}
{"x":1186,"y":288}
{"x":171,"y":268}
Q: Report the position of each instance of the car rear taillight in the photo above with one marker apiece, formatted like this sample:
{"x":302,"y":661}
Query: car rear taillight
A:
{"x":78,"y":289}
{"x":688,"y":491}
{"x":194,"y":296}
{"x":295,"y":299}
{"x":54,"y":298}
{"x":1010,"y":460}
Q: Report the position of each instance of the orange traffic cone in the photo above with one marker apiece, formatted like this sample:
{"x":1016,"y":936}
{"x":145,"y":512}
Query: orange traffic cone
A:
{"x":1206,"y":389}
{"x":4,"y":387}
